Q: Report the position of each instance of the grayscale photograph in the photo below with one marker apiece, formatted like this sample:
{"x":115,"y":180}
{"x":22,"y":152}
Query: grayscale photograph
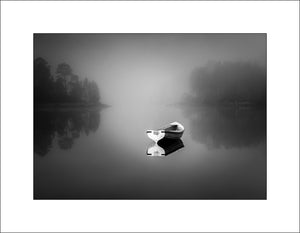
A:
{"x":150,"y":116}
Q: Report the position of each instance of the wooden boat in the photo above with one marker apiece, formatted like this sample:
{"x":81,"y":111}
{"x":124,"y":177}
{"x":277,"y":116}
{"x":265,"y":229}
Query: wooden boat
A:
{"x":173,"y":131}
{"x":164,"y":147}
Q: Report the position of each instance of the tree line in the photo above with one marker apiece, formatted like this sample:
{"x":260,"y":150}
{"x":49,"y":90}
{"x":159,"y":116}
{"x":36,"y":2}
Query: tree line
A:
{"x":63,"y":86}
{"x":229,"y":83}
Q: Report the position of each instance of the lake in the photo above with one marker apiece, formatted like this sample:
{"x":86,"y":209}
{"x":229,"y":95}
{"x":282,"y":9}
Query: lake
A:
{"x":101,"y":154}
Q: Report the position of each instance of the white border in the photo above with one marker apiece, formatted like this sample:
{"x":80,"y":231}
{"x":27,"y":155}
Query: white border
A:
{"x":19,"y":212}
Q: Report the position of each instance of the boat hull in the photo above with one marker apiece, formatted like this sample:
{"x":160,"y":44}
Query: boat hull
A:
{"x":173,"y":135}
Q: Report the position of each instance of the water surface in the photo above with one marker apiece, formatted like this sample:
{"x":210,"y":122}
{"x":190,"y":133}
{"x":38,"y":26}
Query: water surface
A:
{"x":102,"y":154}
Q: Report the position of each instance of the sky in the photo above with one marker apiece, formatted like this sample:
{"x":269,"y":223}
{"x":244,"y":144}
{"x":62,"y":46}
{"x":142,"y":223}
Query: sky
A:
{"x":141,"y":69}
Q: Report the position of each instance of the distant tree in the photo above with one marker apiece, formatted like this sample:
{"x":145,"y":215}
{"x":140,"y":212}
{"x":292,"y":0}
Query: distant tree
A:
{"x":94,"y":92}
{"x":43,"y":82}
{"x":60,"y":92}
{"x":66,"y":87}
{"x":85,"y":90}
{"x":75,"y":89}
{"x":229,"y":82}
{"x":64,"y":72}
{"x":64,"y":69}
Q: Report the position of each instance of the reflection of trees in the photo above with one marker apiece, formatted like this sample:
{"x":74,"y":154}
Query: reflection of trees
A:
{"x":43,"y":132}
{"x":66,"y":126}
{"x":228,"y":127}
{"x":227,"y":104}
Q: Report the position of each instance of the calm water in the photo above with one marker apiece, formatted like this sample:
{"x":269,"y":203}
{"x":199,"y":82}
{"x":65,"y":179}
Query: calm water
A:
{"x":102,"y":154}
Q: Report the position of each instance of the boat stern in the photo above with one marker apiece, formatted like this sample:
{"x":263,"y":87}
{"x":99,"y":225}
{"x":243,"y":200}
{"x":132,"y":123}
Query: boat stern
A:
{"x":155,"y":135}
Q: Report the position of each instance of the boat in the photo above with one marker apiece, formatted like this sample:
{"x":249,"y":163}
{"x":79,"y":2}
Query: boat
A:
{"x":173,"y":131}
{"x":164,"y":147}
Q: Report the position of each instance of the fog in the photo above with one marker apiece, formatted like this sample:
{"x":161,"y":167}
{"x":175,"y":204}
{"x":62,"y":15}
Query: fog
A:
{"x":213,"y":84}
{"x":141,"y":69}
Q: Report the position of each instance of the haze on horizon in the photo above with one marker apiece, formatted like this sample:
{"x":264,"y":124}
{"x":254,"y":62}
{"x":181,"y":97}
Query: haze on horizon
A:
{"x":141,"y":69}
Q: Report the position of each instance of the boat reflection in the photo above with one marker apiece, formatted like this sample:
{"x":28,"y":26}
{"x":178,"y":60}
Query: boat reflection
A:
{"x":164,"y":147}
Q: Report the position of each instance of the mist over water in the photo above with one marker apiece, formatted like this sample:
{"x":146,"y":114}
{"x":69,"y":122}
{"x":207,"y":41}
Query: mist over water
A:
{"x":213,"y":84}
{"x":139,"y":69}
